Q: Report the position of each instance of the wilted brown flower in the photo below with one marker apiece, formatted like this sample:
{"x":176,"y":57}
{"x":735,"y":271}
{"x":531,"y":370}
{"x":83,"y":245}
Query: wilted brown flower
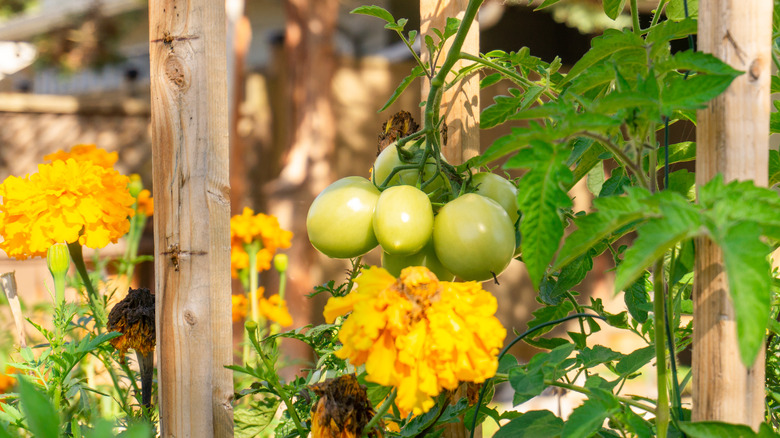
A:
{"x":134,"y":318}
{"x":343,"y":409}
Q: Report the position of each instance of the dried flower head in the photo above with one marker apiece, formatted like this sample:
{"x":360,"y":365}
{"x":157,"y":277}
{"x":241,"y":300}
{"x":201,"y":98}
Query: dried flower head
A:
{"x":343,"y":409}
{"x":418,"y":334}
{"x":65,"y":201}
{"x":86,"y":152}
{"x":134,"y":318}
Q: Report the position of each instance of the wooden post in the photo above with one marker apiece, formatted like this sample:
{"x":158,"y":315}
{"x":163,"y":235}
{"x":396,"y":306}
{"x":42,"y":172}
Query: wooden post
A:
{"x":460,"y":105}
{"x":192,"y":217}
{"x":460,"y":109}
{"x":732,"y":139}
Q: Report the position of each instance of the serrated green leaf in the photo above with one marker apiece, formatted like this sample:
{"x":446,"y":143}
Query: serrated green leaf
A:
{"x":691,"y":93}
{"x":659,"y":36}
{"x":595,"y":179}
{"x":748,"y":273}
{"x":532,"y":424}
{"x":546,"y":3}
{"x":541,"y":195}
{"x":684,"y":183}
{"x":613,"y":8}
{"x":616,"y":184}
{"x":417,"y":72}
{"x":612,"y":214}
{"x":599,"y":354}
{"x":251,"y":421}
{"x":716,"y":429}
{"x":489,"y":80}
{"x":547,"y":314}
{"x":635,"y":360}
{"x":774,"y":167}
{"x":374,"y":11}
{"x":678,"y":153}
{"x":451,"y":27}
{"x":697,"y":62}
{"x":603,"y":46}
{"x":675,"y":9}
{"x":586,"y":419}
{"x":42,"y":419}
{"x":526,"y":383}
{"x":637,"y":298}
{"x":679,"y":221}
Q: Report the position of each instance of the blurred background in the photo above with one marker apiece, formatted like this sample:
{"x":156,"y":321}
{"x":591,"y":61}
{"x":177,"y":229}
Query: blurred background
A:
{"x":306,"y":79}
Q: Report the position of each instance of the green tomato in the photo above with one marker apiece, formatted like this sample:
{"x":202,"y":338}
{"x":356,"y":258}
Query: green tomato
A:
{"x":388,"y":160}
{"x":426,"y":257}
{"x":498,"y":189}
{"x":339,"y":222}
{"x":403,"y":220}
{"x":473,"y":237}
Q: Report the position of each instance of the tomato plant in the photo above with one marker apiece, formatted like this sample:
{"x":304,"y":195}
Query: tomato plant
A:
{"x":425,"y":257}
{"x":403,"y":220}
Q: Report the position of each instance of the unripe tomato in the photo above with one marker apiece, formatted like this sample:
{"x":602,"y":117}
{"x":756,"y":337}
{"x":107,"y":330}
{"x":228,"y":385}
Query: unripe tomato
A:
{"x":388,"y":160}
{"x":426,"y":257}
{"x":339,"y":222}
{"x":403,"y":220}
{"x":473,"y":237}
{"x":498,"y":189}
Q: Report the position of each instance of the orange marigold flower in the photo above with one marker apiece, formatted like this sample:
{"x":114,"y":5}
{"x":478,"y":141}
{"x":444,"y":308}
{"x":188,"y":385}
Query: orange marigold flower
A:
{"x":240,"y":305}
{"x":248,"y":227}
{"x":275,"y":309}
{"x":65,"y":201}
{"x":145,"y":203}
{"x":86,"y":152}
{"x":7,"y":381}
{"x":418,"y":334}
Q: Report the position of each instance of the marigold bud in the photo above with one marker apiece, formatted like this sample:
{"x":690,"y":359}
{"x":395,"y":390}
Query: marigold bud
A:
{"x":280,"y":262}
{"x":135,"y":186}
{"x":58,"y":259}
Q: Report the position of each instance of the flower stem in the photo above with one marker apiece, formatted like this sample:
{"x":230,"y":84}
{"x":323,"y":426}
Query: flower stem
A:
{"x":635,"y":17}
{"x":78,"y":259}
{"x":626,"y":400}
{"x":383,"y":408}
{"x":659,"y":321}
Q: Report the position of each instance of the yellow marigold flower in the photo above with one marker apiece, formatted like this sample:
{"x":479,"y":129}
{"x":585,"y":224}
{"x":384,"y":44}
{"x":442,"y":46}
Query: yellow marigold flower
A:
{"x":249,"y":227}
{"x":145,"y":203}
{"x":86,"y":152}
{"x":275,"y":309}
{"x":240,"y":305}
{"x":418,"y":334}
{"x":65,"y":201}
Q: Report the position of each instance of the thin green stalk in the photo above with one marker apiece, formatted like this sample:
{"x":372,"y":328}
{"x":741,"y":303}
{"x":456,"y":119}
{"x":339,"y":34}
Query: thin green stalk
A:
{"x":252,"y":249}
{"x":414,"y":52}
{"x":513,"y":75}
{"x":77,"y":256}
{"x":662,"y":414}
{"x":437,"y":82}
{"x":657,"y":13}
{"x":635,"y":17}
{"x":383,"y":408}
{"x":619,"y":154}
{"x":627,"y":400}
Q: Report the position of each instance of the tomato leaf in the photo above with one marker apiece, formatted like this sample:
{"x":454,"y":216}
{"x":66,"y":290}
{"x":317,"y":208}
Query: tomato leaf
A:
{"x":658,"y":36}
{"x":637,"y":298}
{"x":545,"y":4}
{"x":541,"y":195}
{"x":527,"y":383}
{"x":531,"y":424}
{"x":601,"y":47}
{"x":679,"y":221}
{"x":774,"y":167}
{"x":374,"y":11}
{"x":748,"y":273}
{"x":675,"y":10}
{"x":693,"y":92}
{"x":590,"y":415}
{"x":613,"y":8}
{"x":716,"y":429}
{"x":417,"y":72}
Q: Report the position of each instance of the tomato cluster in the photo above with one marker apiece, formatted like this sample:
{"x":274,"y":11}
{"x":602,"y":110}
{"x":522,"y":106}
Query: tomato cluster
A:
{"x":471,"y":237}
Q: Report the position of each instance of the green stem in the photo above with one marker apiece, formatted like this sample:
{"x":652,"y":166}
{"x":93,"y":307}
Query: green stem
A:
{"x":619,"y":155}
{"x":252,"y":250}
{"x":383,"y":408}
{"x":626,"y":400}
{"x":662,"y":414}
{"x":77,"y":256}
{"x":635,"y":17}
{"x":414,"y":52}
{"x":657,"y":13}
{"x":513,"y":75}
{"x":274,"y":382}
{"x":437,"y":82}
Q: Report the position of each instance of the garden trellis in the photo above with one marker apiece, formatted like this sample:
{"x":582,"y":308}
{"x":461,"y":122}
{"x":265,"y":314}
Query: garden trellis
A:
{"x":189,"y":114}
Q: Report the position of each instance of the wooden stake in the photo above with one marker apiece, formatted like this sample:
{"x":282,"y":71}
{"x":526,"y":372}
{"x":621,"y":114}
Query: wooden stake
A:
{"x":460,"y":109}
{"x":732,"y":139}
{"x":8,"y":285}
{"x":460,"y":105}
{"x":192,"y":217}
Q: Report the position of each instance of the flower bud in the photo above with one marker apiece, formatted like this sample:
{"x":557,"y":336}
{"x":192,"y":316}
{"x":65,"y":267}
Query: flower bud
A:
{"x":135,"y":186}
{"x":58,"y":259}
{"x":250,"y":326}
{"x":280,"y":262}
